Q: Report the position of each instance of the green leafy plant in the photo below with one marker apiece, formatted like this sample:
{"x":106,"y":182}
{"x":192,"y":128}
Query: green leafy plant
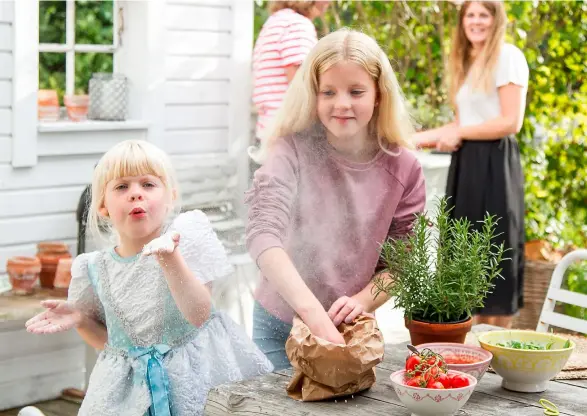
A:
{"x":446,"y":285}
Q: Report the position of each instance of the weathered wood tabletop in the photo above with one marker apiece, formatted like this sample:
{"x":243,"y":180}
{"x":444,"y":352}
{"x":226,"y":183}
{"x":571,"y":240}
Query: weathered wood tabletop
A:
{"x":266,"y":395}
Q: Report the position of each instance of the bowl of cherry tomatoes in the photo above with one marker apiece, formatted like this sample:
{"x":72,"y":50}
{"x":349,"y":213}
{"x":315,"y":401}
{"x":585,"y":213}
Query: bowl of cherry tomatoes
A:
{"x":427,"y":387}
{"x":461,"y":357}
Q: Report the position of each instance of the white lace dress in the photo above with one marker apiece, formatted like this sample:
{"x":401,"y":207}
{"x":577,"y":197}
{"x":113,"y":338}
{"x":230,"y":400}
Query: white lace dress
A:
{"x":156,"y":362}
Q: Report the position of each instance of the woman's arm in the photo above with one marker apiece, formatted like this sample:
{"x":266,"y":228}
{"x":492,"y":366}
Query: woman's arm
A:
{"x":430,"y":138}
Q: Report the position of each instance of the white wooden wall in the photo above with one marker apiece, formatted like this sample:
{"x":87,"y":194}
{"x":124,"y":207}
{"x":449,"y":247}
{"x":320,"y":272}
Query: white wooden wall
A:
{"x":198,"y":47}
{"x":190,"y":81}
{"x":6,"y":65}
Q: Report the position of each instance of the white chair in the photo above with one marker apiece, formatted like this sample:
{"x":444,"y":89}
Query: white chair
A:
{"x":555,"y":294}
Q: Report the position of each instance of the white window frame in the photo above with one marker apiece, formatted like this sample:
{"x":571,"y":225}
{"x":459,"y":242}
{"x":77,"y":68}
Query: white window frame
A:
{"x":70,"y":48}
{"x":140,"y":60}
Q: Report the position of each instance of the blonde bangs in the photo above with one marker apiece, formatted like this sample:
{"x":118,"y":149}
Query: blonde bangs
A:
{"x":133,"y":161}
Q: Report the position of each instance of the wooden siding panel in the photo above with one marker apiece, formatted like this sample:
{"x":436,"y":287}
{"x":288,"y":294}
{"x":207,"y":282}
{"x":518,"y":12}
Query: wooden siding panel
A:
{"x":196,"y":141}
{"x":195,"y":17}
{"x":6,"y":37}
{"x":26,"y":202}
{"x":14,"y":231}
{"x":5,"y":149}
{"x":5,"y":94}
{"x":190,"y":117}
{"x":5,"y":65}
{"x":197,"y":68}
{"x":197,"y":92}
{"x":5,"y":121}
{"x":198,"y":43}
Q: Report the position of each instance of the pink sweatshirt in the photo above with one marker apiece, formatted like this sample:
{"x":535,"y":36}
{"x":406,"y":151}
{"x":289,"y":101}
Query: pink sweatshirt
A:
{"x":329,"y":214}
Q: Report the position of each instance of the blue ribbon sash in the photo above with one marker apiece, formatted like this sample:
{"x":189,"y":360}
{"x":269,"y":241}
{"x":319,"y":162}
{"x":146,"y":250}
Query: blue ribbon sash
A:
{"x":153,"y":371}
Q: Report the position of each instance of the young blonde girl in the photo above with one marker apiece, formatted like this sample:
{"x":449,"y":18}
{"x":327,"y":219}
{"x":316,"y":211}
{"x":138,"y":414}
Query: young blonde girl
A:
{"x":145,"y":301}
{"x":489,"y":83}
{"x":337,"y":180}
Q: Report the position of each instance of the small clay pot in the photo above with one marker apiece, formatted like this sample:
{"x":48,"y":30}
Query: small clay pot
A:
{"x":23,"y":273}
{"x":422,"y":332}
{"x":50,"y":253}
{"x":63,"y":275}
{"x":77,"y":106}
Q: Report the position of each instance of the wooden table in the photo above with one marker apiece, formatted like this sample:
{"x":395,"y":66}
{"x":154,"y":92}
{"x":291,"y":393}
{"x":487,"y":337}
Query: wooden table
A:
{"x":266,"y":395}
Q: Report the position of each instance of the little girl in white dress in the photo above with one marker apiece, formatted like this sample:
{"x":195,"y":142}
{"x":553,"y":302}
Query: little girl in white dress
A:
{"x":145,"y":301}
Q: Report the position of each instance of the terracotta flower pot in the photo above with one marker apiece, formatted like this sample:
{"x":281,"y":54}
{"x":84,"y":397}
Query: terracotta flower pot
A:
{"x":423,"y":332}
{"x":23,"y":273}
{"x":63,"y":275}
{"x":48,"y":105}
{"x":50,"y":254}
{"x":77,"y":106}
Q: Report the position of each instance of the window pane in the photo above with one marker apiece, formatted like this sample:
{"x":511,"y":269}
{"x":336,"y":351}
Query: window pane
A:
{"x":94,"y":22}
{"x":52,"y":22}
{"x":52,"y":73}
{"x":88,"y":63}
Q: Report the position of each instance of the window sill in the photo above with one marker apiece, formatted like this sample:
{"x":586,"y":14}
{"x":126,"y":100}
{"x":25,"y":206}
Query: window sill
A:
{"x":90,"y":125}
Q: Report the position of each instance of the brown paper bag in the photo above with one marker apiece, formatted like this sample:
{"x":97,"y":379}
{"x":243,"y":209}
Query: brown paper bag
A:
{"x":325,"y":370}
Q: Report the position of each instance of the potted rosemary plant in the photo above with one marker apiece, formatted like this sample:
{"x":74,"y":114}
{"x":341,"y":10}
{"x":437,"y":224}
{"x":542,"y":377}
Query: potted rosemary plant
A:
{"x":440,"y":274}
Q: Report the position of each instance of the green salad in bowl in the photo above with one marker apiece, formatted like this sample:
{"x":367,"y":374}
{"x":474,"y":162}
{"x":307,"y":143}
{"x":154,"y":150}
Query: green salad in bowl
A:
{"x":530,"y":345}
{"x":526,"y":360}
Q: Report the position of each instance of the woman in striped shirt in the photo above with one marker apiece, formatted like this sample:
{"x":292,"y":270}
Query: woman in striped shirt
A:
{"x":285,"y":40}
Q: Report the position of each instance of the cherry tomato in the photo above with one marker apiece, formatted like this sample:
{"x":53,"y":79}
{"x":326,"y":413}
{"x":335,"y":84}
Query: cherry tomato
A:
{"x":443,"y":378}
{"x":412,"y":362}
{"x":432,"y":361}
{"x":458,"y":381}
{"x":432,"y":373}
{"x":435,"y":385}
{"x":415,"y":382}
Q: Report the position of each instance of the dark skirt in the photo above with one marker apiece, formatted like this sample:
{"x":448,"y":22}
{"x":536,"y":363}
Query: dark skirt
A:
{"x":485,"y":176}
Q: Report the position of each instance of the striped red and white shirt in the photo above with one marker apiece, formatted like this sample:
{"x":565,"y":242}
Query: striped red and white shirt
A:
{"x":285,"y":39}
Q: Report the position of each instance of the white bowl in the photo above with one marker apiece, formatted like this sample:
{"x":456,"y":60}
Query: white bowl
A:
{"x":432,"y":402}
{"x":447,"y":349}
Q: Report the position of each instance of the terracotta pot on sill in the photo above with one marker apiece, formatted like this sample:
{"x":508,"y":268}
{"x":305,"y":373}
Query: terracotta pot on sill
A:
{"x":47,"y":105}
{"x":49,"y":253}
{"x":77,"y":107}
{"x":422,"y":332}
{"x":23,"y":273}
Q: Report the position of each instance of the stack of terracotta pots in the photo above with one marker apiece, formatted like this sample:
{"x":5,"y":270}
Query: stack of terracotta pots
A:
{"x":51,"y":266}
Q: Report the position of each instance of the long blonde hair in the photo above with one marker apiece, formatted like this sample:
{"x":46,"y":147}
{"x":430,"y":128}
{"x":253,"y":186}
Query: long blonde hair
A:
{"x":390,"y":122}
{"x":482,"y":67}
{"x":128,"y":158}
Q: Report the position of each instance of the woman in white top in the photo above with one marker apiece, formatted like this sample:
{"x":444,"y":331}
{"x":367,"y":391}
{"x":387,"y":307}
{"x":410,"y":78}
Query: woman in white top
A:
{"x":489,"y":81}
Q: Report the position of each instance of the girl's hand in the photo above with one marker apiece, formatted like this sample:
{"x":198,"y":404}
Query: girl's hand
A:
{"x":59,"y":317}
{"x":166,"y":244}
{"x":323,"y":328}
{"x":346,"y":309}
